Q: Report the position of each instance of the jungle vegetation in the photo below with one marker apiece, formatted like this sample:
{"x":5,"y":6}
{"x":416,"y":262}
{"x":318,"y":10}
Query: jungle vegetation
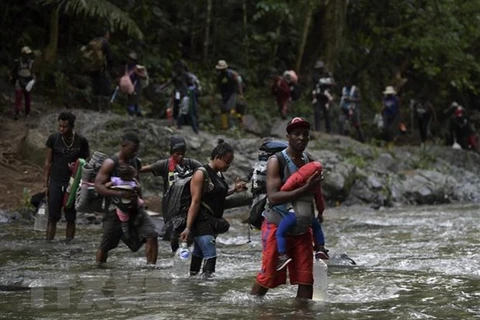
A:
{"x":422,"y":47}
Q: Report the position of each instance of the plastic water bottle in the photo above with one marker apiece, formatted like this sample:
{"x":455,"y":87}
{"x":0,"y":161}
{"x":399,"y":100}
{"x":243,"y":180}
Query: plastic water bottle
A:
{"x":181,"y":261}
{"x":320,"y":280}
{"x":41,"y":218}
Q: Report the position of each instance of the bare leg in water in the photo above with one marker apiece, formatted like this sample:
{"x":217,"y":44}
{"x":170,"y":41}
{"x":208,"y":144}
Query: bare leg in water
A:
{"x":151,"y":250}
{"x":70,"y":231}
{"x":151,"y":253}
{"x":304,"y":291}
{"x":51,"y":229}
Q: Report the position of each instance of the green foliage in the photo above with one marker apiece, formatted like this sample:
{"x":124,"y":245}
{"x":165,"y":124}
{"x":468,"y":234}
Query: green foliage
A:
{"x":433,"y":44}
{"x":25,"y":202}
{"x":424,"y":161}
{"x":354,"y":158}
{"x":100,"y":9}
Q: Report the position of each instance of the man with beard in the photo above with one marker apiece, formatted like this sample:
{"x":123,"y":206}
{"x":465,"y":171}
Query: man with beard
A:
{"x":142,"y":228}
{"x":300,"y":200}
{"x":63,"y":150}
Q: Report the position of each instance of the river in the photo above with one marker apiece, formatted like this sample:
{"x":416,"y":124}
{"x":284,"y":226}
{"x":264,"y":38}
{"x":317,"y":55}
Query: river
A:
{"x":412,"y":263}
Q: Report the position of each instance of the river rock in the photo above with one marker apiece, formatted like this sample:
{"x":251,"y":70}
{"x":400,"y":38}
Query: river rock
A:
{"x":355,"y":173}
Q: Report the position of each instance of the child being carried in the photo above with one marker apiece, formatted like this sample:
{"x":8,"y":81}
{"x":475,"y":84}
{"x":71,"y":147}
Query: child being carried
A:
{"x":296,"y":180}
{"x":125,"y":207}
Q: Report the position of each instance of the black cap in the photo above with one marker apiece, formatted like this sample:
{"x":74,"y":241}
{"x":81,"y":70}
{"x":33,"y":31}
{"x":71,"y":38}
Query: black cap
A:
{"x":296,"y":123}
{"x":177,"y":144}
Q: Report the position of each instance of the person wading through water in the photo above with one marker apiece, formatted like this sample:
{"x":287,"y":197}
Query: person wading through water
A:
{"x":300,"y":242}
{"x":171,"y":169}
{"x":205,"y":214}
{"x":63,"y":149}
{"x":142,"y":229}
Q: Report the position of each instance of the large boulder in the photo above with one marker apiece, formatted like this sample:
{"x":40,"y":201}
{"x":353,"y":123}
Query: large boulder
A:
{"x":354,"y":173}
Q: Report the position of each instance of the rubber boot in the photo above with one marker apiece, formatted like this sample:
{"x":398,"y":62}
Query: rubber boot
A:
{"x":209,"y":267}
{"x":195,"y":265}
{"x":224,"y":121}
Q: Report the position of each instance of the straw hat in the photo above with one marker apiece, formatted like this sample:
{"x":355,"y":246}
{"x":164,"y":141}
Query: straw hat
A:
{"x":221,"y":64}
{"x":132,"y":55}
{"x":319,"y":64}
{"x":389,"y":90}
{"x":26,"y":50}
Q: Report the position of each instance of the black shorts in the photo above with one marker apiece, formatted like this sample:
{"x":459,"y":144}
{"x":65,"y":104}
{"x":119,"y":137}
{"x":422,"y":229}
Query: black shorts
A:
{"x":141,"y":228}
{"x":56,"y":192}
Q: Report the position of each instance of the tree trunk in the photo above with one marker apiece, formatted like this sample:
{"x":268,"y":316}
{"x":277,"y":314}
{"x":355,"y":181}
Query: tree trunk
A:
{"x":51,"y":49}
{"x":333,"y":28}
{"x":306,"y":28}
{"x":246,"y":41}
{"x":207,"y":30}
{"x":193,"y":32}
{"x":277,"y":41}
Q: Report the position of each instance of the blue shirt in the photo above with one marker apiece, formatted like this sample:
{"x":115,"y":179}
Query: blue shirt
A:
{"x":391,"y":105}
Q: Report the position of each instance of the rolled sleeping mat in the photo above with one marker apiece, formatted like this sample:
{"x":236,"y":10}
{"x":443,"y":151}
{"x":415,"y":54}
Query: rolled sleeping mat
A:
{"x":88,"y":200}
{"x":88,"y":174}
{"x":70,"y":194}
{"x":97,"y":159}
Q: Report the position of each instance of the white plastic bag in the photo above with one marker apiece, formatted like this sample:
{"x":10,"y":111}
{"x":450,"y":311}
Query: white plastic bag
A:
{"x":378,"y":121}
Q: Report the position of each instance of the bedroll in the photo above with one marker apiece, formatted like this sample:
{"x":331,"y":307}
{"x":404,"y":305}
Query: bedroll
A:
{"x":87,"y":198}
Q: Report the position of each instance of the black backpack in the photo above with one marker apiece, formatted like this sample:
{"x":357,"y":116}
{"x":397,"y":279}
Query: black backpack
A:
{"x":295,"y":91}
{"x":175,"y":204}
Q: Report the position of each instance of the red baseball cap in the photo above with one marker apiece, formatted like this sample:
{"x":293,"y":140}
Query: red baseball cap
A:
{"x":297,"y":122}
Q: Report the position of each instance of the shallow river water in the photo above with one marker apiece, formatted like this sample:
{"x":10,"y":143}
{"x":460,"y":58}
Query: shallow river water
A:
{"x":412,"y":263}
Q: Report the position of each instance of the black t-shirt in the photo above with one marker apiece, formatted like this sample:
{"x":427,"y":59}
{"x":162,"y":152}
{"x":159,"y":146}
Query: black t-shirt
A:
{"x":228,"y":83}
{"x":63,"y":154}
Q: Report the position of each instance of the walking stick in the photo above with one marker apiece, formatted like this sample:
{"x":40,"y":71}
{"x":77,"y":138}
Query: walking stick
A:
{"x":114,"y":95}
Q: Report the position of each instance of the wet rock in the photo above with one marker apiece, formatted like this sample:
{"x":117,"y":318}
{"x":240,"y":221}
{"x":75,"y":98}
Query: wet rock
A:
{"x":250,"y":124}
{"x":10,"y":216}
{"x":385,"y":163}
{"x":428,"y":187}
{"x":355,"y":173}
{"x":278,"y":128}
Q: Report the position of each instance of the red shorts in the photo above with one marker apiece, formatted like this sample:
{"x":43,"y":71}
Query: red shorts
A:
{"x":299,"y":248}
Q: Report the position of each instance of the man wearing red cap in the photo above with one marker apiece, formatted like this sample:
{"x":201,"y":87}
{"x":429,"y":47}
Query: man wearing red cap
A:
{"x":300,"y":200}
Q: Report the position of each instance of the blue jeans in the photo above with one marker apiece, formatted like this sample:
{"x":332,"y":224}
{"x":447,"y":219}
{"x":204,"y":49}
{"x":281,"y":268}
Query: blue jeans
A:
{"x":289,"y":221}
{"x":204,"y":247}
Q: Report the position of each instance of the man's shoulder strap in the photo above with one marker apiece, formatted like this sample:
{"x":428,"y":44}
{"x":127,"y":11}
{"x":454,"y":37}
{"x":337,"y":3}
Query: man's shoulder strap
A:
{"x":307,"y":158}
{"x":138,"y":164}
{"x":282,"y":161}
{"x":232,"y":73}
{"x":165,"y":166}
{"x":116,"y":159}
